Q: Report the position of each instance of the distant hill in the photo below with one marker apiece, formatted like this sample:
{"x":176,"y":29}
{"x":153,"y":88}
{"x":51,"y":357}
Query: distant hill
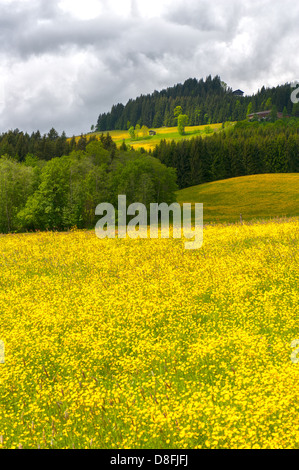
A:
{"x":149,"y":142}
{"x":204,"y":101}
{"x":255,"y":197}
{"x":247,"y":148}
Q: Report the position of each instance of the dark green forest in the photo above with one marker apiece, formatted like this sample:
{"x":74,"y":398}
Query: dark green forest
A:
{"x":247,"y":148}
{"x":63,"y":192}
{"x":205,"y":102}
{"x":20,"y":145}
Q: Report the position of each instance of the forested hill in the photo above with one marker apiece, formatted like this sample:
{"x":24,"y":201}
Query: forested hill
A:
{"x":204,"y":102}
{"x":248,"y":148}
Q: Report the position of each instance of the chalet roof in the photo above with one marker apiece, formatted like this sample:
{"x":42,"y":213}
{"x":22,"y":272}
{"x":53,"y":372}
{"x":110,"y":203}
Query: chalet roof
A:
{"x":260,"y":112}
{"x":265,"y":113}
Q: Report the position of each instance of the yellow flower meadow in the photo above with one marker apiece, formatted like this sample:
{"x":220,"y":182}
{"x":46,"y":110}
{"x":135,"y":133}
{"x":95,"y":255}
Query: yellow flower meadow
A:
{"x":142,"y":344}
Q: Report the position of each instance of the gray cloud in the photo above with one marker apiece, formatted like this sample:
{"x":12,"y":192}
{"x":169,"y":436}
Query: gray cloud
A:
{"x":218,"y":16}
{"x":61,"y":71}
{"x":38,"y":31}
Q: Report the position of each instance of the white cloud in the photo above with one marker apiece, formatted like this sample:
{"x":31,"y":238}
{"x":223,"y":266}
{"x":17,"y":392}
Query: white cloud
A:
{"x":84,"y":10}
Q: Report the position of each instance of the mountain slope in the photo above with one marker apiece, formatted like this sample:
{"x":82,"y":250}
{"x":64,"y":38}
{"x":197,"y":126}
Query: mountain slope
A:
{"x":205,"y":102}
{"x":255,"y":196}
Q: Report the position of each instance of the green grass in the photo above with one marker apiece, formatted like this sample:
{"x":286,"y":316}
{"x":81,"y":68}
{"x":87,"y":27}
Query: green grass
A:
{"x":255,"y":197}
{"x":150,"y":142}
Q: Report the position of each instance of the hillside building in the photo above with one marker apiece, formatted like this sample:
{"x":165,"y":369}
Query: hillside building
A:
{"x":263,"y":115}
{"x":238,"y":93}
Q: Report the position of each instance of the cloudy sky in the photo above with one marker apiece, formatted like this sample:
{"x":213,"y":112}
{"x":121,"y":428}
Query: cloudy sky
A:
{"x":62,"y":63}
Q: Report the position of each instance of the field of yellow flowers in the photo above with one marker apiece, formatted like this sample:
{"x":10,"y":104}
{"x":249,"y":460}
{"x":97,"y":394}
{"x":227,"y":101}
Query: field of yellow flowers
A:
{"x":128,"y":344}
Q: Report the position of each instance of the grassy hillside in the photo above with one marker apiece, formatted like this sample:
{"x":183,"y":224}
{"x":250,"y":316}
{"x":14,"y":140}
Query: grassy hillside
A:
{"x":149,"y":142}
{"x":257,"y":196}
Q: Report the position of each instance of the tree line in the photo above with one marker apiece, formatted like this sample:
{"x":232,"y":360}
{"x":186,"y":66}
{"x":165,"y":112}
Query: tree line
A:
{"x":204,"y":101}
{"x":18,"y":144}
{"x":245,"y":149}
{"x":63,"y":192}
